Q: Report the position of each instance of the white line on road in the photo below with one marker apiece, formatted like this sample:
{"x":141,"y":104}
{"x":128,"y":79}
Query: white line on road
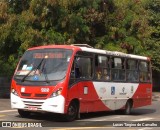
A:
{"x":146,"y":128}
{"x":104,"y":119}
{"x":143,"y":119}
{"x":81,"y":128}
{"x":4,"y":111}
{"x":2,"y":115}
{"x":117,"y":117}
{"x":97,"y":120}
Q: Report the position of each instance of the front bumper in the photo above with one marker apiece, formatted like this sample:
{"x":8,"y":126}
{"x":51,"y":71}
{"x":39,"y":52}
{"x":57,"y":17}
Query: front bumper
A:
{"x":54,"y":105}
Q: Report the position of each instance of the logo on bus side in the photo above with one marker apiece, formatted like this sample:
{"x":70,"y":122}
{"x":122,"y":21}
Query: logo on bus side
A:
{"x":123,"y":91}
{"x":103,"y":90}
{"x":132,"y":89}
{"x":112,"y":90}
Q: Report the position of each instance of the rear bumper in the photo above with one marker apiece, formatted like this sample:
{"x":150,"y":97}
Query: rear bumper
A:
{"x":55,"y":104}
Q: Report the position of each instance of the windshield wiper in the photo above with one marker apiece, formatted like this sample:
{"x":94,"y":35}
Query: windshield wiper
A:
{"x":45,"y":74}
{"x":23,"y":79}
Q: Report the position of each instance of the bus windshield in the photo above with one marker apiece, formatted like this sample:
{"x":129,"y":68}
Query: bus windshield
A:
{"x":43,"y":65}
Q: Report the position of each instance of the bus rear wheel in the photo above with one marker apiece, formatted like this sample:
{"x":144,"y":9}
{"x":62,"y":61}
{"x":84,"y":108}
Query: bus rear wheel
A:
{"x":23,"y":113}
{"x":72,"y":112}
{"x":128,"y":107}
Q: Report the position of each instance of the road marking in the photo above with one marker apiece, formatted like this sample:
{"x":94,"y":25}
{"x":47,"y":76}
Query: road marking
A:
{"x":2,"y":115}
{"x":10,"y":114}
{"x":116,"y":117}
{"x":18,"y":127}
{"x":96,"y":120}
{"x":143,"y":119}
{"x":79,"y":128}
{"x":146,"y":128}
{"x":4,"y":111}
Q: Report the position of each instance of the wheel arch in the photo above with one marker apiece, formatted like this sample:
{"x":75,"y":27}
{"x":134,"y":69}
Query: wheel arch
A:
{"x":76,"y":101}
{"x":130,"y":100}
{"x":72,"y":110}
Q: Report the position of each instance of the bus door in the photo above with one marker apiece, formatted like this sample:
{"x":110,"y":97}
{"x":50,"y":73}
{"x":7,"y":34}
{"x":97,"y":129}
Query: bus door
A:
{"x":83,"y":87}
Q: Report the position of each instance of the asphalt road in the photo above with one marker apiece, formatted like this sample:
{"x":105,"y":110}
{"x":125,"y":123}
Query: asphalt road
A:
{"x":146,"y":118}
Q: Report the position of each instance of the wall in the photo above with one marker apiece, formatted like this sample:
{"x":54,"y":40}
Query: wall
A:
{"x":156,"y":81}
{"x":5,"y":87}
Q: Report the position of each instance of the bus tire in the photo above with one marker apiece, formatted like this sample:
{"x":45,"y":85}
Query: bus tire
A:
{"x":72,"y":112}
{"x":128,"y":107}
{"x":23,"y":113}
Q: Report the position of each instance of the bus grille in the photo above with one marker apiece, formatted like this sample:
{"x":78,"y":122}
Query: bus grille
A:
{"x":40,"y":95}
{"x":33,"y":104}
{"x":26,"y":94}
{"x":29,"y":95}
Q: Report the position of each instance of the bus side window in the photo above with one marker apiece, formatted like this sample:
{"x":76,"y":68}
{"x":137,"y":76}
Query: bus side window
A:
{"x":98,"y":73}
{"x":102,"y":67}
{"x":106,"y":75}
{"x":132,"y":71}
{"x":144,"y":73}
{"x":118,"y":72}
{"x":141,"y":77}
{"x":149,"y":77}
{"x":75,"y":72}
{"x":83,"y":67}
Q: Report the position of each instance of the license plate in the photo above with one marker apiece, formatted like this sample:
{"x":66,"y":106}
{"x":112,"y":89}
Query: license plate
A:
{"x":32,"y":108}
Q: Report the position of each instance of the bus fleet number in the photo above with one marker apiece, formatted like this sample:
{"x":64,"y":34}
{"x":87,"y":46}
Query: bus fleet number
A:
{"x":44,"y":89}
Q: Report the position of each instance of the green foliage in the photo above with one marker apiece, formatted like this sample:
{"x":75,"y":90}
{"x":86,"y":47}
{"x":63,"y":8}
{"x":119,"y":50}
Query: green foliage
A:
{"x":130,"y":26}
{"x":54,"y":37}
{"x":153,"y":42}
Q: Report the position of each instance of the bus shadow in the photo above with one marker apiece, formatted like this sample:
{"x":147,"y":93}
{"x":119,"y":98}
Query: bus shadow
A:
{"x":142,"y":111}
{"x":41,"y":116}
{"x":50,"y":117}
{"x":134,"y":112}
{"x":96,"y":114}
{"x":58,"y":118}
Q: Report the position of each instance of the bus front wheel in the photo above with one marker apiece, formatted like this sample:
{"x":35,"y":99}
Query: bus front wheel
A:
{"x":23,"y":113}
{"x":72,"y":112}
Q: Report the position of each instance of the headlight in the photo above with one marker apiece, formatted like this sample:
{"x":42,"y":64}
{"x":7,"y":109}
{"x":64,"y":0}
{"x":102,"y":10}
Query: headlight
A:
{"x":56,"y":93}
{"x":14,"y":92}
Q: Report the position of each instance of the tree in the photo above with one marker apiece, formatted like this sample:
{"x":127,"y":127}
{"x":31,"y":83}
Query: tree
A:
{"x":153,"y":42}
{"x":126,"y":26}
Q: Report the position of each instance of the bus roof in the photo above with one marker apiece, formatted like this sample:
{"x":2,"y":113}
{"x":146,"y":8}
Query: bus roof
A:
{"x":93,"y":50}
{"x":55,"y":46}
{"x":114,"y":53}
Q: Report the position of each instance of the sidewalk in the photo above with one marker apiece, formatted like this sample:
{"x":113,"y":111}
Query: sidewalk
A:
{"x":156,"y":96}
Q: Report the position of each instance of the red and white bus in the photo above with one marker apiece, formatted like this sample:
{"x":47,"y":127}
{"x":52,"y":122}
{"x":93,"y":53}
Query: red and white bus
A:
{"x":74,"y":79}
